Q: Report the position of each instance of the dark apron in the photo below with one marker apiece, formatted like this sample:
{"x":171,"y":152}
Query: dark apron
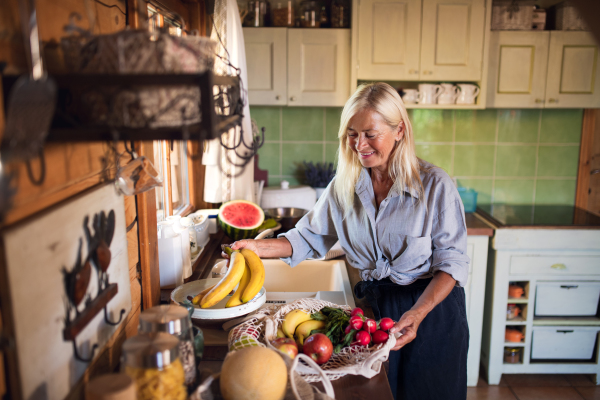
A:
{"x":434,"y":365}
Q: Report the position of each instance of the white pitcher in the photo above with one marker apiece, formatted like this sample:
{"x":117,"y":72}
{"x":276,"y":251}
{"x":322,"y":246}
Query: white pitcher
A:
{"x":468,"y":93}
{"x":411,"y":96}
{"x":449,"y":94}
{"x":429,"y":92}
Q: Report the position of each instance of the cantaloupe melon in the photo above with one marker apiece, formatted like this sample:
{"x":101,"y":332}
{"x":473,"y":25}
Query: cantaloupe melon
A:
{"x":254,"y":373}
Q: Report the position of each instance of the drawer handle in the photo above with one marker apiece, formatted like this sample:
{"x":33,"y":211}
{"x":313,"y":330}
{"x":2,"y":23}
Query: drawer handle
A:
{"x":569,"y":286}
{"x":558,"y":266}
{"x":560,"y":331}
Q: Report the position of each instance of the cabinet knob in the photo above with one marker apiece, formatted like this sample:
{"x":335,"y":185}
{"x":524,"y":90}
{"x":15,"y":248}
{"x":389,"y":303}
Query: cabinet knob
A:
{"x":413,"y":71}
{"x":293,"y":98}
{"x":427,"y":72}
{"x":553,"y":101}
{"x":538,"y":101}
{"x":277,"y":97}
{"x":558,"y":266}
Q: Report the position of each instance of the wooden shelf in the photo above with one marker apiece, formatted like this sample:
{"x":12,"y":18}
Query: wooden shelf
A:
{"x":514,"y":344}
{"x":516,"y":321}
{"x":566,"y":321}
{"x":517,"y":301}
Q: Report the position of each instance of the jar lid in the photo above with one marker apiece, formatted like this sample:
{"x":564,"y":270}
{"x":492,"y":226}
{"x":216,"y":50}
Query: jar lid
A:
{"x":513,"y":349}
{"x":151,"y":350}
{"x":165,"y":318}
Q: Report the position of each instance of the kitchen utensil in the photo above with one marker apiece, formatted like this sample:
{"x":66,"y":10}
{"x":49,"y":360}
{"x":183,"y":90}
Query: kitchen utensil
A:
{"x":515,"y":291}
{"x":137,"y":176}
{"x":468,"y":93}
{"x":429,"y":92}
{"x":449,"y":94}
{"x":218,"y":314}
{"x":288,"y":217}
{"x":513,"y":335}
{"x":410,"y":96}
{"x":31,"y":102}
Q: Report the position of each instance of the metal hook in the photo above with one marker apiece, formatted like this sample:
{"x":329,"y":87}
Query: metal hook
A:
{"x":39,"y":181}
{"x":109,"y":321}
{"x":78,"y":357}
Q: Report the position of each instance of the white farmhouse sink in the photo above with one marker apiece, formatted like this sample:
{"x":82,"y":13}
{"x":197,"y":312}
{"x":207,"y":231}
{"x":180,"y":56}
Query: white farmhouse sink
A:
{"x":325,"y":280}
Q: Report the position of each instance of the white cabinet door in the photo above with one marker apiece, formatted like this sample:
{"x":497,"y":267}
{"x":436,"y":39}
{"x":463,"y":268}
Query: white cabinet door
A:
{"x":517,"y":69}
{"x":452,"y":40}
{"x":266,"y":60}
{"x":388,"y":39}
{"x":573,"y":70}
{"x":318,"y":67}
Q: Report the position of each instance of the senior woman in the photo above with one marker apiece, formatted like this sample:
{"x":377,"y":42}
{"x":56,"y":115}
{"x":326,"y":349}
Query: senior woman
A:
{"x":401,"y":222}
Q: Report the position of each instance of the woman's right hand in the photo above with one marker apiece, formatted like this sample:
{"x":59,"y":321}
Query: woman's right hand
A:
{"x":264,"y":248}
{"x":249,"y":244}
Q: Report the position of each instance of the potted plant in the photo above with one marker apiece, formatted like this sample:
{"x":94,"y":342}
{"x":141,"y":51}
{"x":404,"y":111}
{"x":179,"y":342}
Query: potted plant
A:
{"x":318,"y":175}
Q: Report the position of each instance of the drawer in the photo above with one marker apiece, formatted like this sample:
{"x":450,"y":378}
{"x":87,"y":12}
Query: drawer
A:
{"x":566,"y":298}
{"x":560,"y":265}
{"x":569,"y":343}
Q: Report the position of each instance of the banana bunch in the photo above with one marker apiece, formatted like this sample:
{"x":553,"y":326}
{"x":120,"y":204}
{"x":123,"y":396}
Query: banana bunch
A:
{"x":298,"y":324}
{"x":245,"y":268}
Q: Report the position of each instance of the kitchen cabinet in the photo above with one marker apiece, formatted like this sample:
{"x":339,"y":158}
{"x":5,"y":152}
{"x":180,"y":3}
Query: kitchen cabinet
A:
{"x":556,"y":265}
{"x":298,"y":67}
{"x":546,"y":69}
{"x":411,"y":40}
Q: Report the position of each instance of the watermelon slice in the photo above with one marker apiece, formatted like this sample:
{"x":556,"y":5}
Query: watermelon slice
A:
{"x":240,"y":219}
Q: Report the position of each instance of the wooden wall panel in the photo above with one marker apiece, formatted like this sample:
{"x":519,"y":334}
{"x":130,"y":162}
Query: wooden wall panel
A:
{"x":2,"y":379}
{"x":588,"y":175}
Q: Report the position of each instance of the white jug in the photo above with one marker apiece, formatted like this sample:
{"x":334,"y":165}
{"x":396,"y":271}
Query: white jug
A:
{"x":186,"y":251}
{"x":411,"y":96}
{"x":170,"y":257}
{"x":468,"y":93}
{"x":449,"y":94}
{"x":429,"y":92}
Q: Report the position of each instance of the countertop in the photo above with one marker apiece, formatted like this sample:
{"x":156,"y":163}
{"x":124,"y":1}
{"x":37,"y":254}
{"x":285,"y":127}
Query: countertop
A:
{"x":506,"y":216}
{"x":476,"y":226}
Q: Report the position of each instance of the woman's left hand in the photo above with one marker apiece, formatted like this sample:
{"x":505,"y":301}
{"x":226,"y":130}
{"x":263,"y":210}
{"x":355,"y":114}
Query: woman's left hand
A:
{"x":408,"y":326}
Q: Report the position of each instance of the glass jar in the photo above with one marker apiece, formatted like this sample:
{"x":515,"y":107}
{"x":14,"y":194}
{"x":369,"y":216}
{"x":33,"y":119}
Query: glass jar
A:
{"x":258,"y":13}
{"x":340,"y":14}
{"x":512,"y":355}
{"x":189,"y":225}
{"x":176,"y":321}
{"x":152,"y":361}
{"x":283,"y":14}
{"x":309,"y":17}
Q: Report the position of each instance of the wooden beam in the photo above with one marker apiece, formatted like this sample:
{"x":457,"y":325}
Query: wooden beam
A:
{"x":585,"y":157}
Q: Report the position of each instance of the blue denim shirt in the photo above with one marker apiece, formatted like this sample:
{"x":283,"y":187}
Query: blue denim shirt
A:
{"x":404,"y":241}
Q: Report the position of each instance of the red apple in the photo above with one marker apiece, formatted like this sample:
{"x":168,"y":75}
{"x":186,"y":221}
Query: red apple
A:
{"x":286,"y":346}
{"x":318,"y":347}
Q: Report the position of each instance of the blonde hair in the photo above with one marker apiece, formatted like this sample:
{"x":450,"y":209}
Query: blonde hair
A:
{"x":403,"y":164}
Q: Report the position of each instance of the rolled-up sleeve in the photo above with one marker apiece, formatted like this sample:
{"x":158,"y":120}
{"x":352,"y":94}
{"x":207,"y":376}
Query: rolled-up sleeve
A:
{"x":449,"y":240}
{"x":315,"y":234}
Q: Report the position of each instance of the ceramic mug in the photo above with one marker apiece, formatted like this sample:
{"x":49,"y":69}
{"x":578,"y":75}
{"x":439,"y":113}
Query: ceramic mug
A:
{"x":449,"y":94}
{"x":429,"y":92}
{"x":468,"y":93}
{"x":410,"y":96}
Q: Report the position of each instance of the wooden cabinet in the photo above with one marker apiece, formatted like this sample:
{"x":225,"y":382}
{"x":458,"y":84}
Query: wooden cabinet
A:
{"x":551,"y":69}
{"x":411,"y":40}
{"x":298,"y":67}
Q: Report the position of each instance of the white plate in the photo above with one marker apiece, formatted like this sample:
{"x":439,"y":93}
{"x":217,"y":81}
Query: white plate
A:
{"x":218,"y":313}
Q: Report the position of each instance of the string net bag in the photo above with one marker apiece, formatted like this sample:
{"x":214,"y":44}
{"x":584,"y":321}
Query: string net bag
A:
{"x":260,"y":328}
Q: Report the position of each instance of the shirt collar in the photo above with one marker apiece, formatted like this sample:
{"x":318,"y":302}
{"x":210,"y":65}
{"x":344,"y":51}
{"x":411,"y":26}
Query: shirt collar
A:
{"x":364,"y":181}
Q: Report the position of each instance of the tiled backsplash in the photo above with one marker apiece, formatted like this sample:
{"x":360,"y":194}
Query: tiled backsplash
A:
{"x":508,"y":156}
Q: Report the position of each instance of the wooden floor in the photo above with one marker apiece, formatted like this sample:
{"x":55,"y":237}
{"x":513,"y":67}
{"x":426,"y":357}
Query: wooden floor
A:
{"x":537,"y":387}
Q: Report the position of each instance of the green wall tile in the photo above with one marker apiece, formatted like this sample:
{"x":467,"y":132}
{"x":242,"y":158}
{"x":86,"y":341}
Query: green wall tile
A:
{"x":330,"y":153}
{"x":515,"y":161}
{"x":561,"y":126}
{"x":332,"y":123}
{"x":518,"y":126}
{"x":432,"y":125}
{"x":513,"y":191}
{"x":269,"y":118}
{"x":302,"y":123}
{"x":473,"y":160}
{"x":268,"y":158}
{"x":475,"y":125}
{"x":555,"y":191}
{"x":483,"y":187}
{"x":274,"y":182}
{"x":436,"y":154}
{"x":293,"y":154}
{"x":558,"y":161}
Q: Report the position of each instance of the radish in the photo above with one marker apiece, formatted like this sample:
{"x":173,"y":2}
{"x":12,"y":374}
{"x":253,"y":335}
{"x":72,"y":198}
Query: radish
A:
{"x":369,"y":325}
{"x":347,"y":329}
{"x":385,"y":324}
{"x":356,"y":322}
{"x":362,"y":338}
{"x":356,"y":311}
{"x":380,"y":337}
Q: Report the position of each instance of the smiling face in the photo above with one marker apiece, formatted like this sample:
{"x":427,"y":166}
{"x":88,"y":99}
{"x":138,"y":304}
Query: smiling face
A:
{"x":372,"y":139}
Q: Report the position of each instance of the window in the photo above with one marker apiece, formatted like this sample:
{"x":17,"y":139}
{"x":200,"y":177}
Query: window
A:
{"x":172,"y":163}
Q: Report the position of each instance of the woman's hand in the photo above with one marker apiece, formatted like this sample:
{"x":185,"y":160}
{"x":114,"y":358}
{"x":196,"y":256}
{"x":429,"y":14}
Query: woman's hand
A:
{"x":264,"y":248}
{"x":408,"y":326}
{"x":249,"y":244}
